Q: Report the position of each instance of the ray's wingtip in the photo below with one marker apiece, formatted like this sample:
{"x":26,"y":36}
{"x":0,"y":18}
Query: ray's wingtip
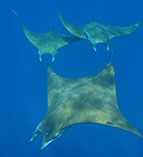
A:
{"x":59,"y":13}
{"x":141,"y":21}
{"x":58,"y":10}
{"x":141,"y":134}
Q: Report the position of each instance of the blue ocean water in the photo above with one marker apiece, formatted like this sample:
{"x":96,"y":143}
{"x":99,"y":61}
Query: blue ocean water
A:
{"x":23,"y":81}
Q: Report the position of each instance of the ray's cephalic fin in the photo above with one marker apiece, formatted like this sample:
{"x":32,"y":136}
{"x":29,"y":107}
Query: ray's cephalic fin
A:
{"x":90,"y":39}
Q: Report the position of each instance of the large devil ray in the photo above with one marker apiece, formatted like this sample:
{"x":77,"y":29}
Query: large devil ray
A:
{"x":98,"y":33}
{"x":48,"y":42}
{"x":89,"y":99}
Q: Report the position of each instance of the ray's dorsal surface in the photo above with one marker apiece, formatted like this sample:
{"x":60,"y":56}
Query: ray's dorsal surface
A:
{"x":98,"y":33}
{"x":48,"y":42}
{"x":89,"y":99}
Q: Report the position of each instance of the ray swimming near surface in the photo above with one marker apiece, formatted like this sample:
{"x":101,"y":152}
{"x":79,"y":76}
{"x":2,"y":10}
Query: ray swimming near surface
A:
{"x":90,"y":99}
{"x":96,"y":33}
{"x":48,"y":42}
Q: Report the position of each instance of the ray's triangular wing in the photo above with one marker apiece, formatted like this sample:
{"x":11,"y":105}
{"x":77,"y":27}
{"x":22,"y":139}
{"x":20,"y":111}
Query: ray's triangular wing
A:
{"x":123,"y":31}
{"x":75,"y":30}
{"x":96,"y":102}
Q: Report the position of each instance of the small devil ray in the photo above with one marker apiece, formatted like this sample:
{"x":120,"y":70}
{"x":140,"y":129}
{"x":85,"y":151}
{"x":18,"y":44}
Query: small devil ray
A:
{"x":98,"y":33}
{"x":48,"y":42}
{"x":90,"y":99}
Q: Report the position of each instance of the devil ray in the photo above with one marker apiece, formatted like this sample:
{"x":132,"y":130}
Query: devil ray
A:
{"x":90,"y":99}
{"x":48,"y":42}
{"x":98,"y":33}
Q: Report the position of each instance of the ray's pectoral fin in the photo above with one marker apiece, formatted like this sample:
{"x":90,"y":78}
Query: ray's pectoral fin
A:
{"x":119,"y":121}
{"x":96,"y":102}
{"x":124,"y":31}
